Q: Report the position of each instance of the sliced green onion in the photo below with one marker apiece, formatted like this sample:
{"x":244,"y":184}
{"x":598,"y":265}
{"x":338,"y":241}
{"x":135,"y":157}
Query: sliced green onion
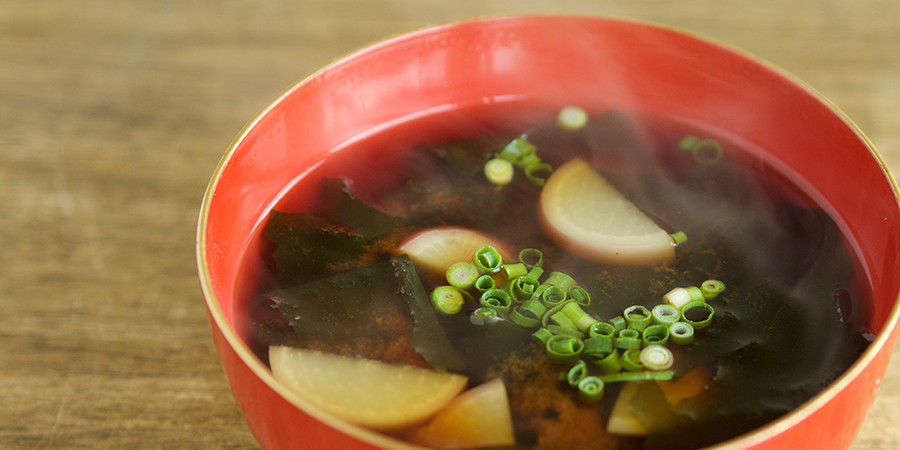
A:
{"x":598,"y":345}
{"x":631,"y":360}
{"x":511,"y":271}
{"x":664,"y":314}
{"x":485,"y":283}
{"x":681,"y":333}
{"x":580,"y":295}
{"x":602,"y":329}
{"x":572,"y":118}
{"x":576,"y":373}
{"x":655,"y":335}
{"x":534,"y":170}
{"x":608,"y":363}
{"x":581,"y":319}
{"x":677,"y":298}
{"x":553,"y":295}
{"x":637,"y":317}
{"x":497,"y":299}
{"x":531,"y":257}
{"x":678,"y":238}
{"x":517,"y":149}
{"x":707,"y":152}
{"x":462,"y":275}
{"x":564,"y":349}
{"x":590,"y":389}
{"x":485,"y":316}
{"x":447,"y":299}
{"x":499,"y":171}
{"x":528,"y":314}
{"x":561,"y":319}
{"x":523,"y":287}
{"x":711,"y":289}
{"x":656,"y":357}
{"x":488,"y":259}
{"x":699,"y":314}
{"x":564,"y":331}
{"x":687,"y":143}
{"x":541,"y":335}
{"x":663,"y":375}
{"x":619,"y":323}
{"x":628,"y":338}
{"x":560,"y":279}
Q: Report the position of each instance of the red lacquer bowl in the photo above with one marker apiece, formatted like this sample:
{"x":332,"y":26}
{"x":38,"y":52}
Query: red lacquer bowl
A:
{"x":517,"y":66}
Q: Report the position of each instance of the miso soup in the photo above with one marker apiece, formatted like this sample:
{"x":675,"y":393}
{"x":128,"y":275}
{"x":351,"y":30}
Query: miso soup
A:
{"x":776,"y":306}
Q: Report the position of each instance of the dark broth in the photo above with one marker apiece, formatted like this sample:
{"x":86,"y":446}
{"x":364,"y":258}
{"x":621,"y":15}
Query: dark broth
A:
{"x":791,"y":320}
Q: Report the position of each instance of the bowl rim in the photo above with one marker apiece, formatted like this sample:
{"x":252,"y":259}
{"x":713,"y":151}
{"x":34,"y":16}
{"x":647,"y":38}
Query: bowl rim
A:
{"x":885,"y":338}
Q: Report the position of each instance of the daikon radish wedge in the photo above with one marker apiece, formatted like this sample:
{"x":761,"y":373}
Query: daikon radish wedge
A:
{"x":479,"y":417}
{"x":438,"y":248}
{"x":582,"y":213}
{"x":370,"y":393}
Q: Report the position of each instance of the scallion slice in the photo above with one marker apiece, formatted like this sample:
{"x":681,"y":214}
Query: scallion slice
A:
{"x":656,"y":357}
{"x":447,"y":299}
{"x":590,"y":389}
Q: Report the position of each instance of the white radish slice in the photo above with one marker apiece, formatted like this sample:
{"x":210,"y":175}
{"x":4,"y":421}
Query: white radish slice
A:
{"x":477,"y":418}
{"x":585,"y":215}
{"x":366,"y":392}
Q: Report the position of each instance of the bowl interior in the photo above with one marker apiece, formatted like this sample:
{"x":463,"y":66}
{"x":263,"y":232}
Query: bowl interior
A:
{"x":505,"y":72}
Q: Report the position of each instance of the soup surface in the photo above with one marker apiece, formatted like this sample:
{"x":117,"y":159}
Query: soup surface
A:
{"x":329,"y":277}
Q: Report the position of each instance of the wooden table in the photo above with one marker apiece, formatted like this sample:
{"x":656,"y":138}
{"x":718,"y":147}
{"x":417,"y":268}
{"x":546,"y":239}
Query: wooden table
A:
{"x":113,"y":115}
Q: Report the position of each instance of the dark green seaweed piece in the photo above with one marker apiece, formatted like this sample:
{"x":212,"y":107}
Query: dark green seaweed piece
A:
{"x":338,"y":311}
{"x":309,"y":247}
{"x":345,"y":208}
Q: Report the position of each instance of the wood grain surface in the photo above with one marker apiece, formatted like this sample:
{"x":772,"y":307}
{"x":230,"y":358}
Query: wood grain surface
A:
{"x":113,"y":115}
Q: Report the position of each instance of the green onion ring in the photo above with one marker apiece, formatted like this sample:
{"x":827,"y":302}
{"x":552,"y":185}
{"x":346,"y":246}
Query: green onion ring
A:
{"x":580,"y":295}
{"x":576,"y":373}
{"x":524,"y":287}
{"x":631,"y":360}
{"x":485,"y":283}
{"x":637,"y":317}
{"x":707,"y":152}
{"x":681,"y":333}
{"x":698,"y":324}
{"x":711,"y":289}
{"x":590,"y":389}
{"x":656,"y":357}
{"x":499,"y":171}
{"x":564,"y":331}
{"x":531,"y":257}
{"x":462,"y":275}
{"x":655,"y":334}
{"x":541,"y":335}
{"x":628,"y":339}
{"x":447,"y":299}
{"x":553,"y":295}
{"x":664,"y":314}
{"x":564,"y":349}
{"x":608,"y":363}
{"x":534,"y":168}
{"x":488,"y":259}
{"x":602,"y":329}
{"x":497,"y":299}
